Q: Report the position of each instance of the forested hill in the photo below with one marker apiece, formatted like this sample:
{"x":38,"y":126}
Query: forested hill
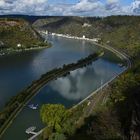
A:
{"x":122,"y":32}
{"x":17,"y":32}
{"x":30,"y":18}
{"x":119,"y":117}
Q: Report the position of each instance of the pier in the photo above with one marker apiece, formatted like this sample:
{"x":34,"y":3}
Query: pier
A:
{"x":36,"y":134}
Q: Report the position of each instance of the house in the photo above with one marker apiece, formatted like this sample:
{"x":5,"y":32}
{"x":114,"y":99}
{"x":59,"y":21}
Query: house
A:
{"x":84,"y":36}
{"x":19,"y":45}
{"x":108,"y":42}
{"x":46,"y":32}
{"x":86,"y":25}
{"x":53,"y":33}
{"x":1,"y":44}
{"x":96,"y":39}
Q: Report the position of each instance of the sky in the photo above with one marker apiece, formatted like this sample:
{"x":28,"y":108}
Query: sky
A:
{"x":70,"y":7}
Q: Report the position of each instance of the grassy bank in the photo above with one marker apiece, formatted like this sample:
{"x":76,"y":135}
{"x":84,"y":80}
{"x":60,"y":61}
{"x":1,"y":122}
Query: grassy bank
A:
{"x":16,"y":50}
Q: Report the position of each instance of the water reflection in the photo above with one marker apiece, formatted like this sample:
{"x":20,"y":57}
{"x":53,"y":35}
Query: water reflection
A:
{"x":80,"y":83}
{"x":74,"y":86}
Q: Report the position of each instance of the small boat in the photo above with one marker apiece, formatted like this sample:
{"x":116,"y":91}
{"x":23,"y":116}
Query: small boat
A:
{"x":32,"y":106}
{"x":30,"y":129}
{"x":120,"y":65}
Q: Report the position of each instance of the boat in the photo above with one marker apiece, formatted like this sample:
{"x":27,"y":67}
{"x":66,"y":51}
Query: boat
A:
{"x":32,"y":106}
{"x":120,"y":65}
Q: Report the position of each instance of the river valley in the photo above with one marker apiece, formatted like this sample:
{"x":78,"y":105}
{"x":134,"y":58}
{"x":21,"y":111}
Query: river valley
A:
{"x":18,"y":70}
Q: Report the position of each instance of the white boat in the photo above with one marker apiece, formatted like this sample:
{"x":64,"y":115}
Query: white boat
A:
{"x":32,"y":106}
{"x":120,"y":65}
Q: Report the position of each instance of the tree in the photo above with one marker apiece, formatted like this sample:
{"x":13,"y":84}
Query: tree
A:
{"x":46,"y":133}
{"x":57,"y":136}
{"x":54,"y":115}
{"x":69,"y":127}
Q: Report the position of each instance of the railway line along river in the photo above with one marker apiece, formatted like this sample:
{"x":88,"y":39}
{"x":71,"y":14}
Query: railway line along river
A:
{"x":17,"y":71}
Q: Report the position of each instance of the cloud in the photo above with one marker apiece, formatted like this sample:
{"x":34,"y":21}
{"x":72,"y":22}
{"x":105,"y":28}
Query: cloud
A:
{"x":30,"y":6}
{"x":2,"y":2}
{"x":135,"y":6}
{"x":75,"y":86}
{"x":81,"y":8}
{"x":112,"y":1}
{"x":113,"y":6}
{"x":5,"y":6}
{"x":21,"y":6}
{"x":85,"y":5}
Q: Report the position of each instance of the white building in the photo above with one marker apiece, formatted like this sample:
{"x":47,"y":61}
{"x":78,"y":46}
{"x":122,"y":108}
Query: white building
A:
{"x":86,"y":25}
{"x":19,"y":45}
{"x":84,"y":36}
{"x":96,"y":39}
{"x":1,"y":43}
{"x":46,"y":32}
{"x":53,"y":33}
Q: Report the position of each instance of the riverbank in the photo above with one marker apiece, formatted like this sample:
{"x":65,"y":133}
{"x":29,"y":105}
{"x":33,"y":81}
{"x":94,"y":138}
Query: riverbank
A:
{"x":16,"y":104}
{"x":121,"y":55}
{"x":8,"y":51}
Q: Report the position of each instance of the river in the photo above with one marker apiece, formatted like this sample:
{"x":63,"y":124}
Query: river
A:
{"x":18,"y":70}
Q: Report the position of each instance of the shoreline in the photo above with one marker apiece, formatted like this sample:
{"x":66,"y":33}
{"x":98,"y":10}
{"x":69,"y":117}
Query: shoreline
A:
{"x":12,"y":51}
{"x":121,"y":55}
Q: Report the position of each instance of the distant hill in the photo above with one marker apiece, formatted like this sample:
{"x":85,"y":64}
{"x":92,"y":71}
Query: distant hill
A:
{"x":17,"y":32}
{"x":121,"y":32}
{"x":28,"y":18}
